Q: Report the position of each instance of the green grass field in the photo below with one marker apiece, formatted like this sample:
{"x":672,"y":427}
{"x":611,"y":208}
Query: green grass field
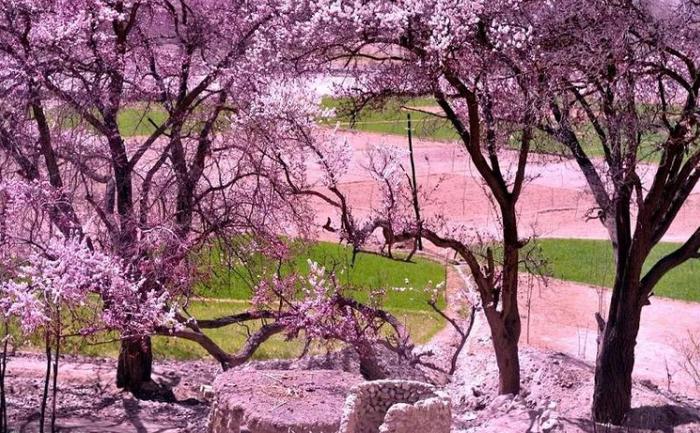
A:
{"x":134,"y":121}
{"x":391,"y":118}
{"x":591,"y":262}
{"x":371,"y":271}
{"x":228,"y":291}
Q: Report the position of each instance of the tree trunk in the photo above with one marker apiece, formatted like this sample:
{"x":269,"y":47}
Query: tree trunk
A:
{"x":612,"y":395}
{"x":370,"y":366}
{"x":135,"y":363}
{"x":506,"y":349}
{"x":612,"y":392}
{"x":505,"y":325}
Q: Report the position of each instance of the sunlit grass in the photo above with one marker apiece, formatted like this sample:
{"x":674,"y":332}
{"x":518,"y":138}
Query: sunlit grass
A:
{"x":370,"y":272}
{"x":592,"y":262}
{"x":139,"y":120}
{"x":227,"y":292}
{"x":391,"y":118}
{"x":422,"y":326}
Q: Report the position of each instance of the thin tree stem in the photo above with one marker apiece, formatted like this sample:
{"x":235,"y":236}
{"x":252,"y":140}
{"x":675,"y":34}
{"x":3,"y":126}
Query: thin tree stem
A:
{"x":3,"y":369}
{"x":47,"y":378}
{"x":55,"y":374}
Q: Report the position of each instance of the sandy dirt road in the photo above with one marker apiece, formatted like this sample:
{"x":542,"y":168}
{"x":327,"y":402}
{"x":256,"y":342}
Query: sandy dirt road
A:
{"x":561,"y":318}
{"x":554,"y":204}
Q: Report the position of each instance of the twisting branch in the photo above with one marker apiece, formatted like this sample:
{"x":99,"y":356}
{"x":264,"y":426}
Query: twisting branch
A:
{"x":463,"y":333}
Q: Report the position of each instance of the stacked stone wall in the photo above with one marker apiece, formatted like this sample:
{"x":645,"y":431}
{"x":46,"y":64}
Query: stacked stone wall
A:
{"x":396,"y":406}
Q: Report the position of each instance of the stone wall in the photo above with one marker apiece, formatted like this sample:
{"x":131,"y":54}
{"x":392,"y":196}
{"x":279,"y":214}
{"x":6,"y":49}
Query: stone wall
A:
{"x":396,"y":406}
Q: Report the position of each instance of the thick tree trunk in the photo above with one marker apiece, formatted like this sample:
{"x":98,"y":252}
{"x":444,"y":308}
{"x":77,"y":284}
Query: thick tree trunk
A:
{"x":135,"y":363}
{"x":612,"y":395}
{"x":505,"y":330}
{"x":505,"y":345}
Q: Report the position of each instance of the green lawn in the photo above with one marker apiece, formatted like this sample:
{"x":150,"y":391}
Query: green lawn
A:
{"x":139,"y":119}
{"x":591,"y":262}
{"x":391,"y":119}
{"x":371,"y":271}
{"x":543,"y":143}
{"x":134,"y":121}
{"x":229,"y":292}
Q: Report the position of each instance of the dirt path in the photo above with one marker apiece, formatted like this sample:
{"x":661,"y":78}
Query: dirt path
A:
{"x":90,"y":402}
{"x":553,"y":204}
{"x":561,"y":318}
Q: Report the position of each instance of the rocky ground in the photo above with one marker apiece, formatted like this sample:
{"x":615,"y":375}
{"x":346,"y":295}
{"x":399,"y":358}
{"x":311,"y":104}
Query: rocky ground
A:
{"x":89,"y":401}
{"x":556,"y":396}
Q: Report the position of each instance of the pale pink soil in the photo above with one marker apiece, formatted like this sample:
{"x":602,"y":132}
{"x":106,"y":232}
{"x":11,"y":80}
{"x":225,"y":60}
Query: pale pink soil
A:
{"x":88,"y":400}
{"x":553,"y":204}
{"x":561,"y":318}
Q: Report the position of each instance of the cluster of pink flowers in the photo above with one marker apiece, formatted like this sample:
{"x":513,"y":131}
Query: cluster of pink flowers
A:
{"x":334,"y":155}
{"x":314,"y":305}
{"x":65,"y":274}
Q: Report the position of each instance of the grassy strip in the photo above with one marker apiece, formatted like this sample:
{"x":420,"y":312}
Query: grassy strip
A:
{"x":139,"y":119}
{"x":371,"y":272}
{"x":421,"y":325}
{"x":391,"y":119}
{"x":592,"y":262}
{"x":229,"y":288}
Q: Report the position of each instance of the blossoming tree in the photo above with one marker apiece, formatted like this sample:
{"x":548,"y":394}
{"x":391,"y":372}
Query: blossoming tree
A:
{"x":215,"y":102}
{"x":478,"y":61}
{"x":628,"y":71}
{"x":71,"y":67}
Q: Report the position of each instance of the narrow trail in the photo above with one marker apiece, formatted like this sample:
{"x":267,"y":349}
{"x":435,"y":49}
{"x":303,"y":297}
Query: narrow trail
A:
{"x":90,"y":402}
{"x":562,"y":319}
